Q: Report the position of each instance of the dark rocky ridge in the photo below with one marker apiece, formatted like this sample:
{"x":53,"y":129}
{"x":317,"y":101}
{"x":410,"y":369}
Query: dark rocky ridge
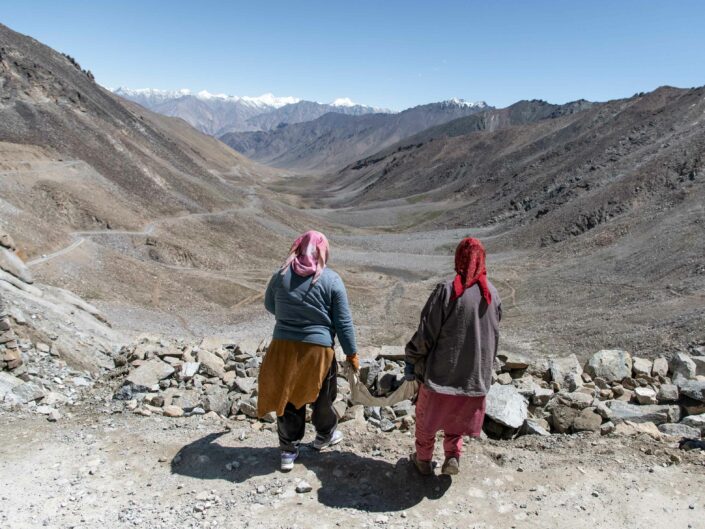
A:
{"x":334,"y":140}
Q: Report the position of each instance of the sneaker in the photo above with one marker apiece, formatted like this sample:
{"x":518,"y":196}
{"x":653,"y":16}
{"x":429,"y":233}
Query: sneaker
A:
{"x":288,"y":458}
{"x":425,"y":468}
{"x":451,"y":466}
{"x":320,"y":444}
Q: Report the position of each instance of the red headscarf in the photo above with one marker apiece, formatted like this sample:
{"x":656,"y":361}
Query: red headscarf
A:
{"x":470,"y":267}
{"x":308,"y":255}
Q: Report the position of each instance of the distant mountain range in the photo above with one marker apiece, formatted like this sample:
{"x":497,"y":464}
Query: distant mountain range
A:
{"x":218,"y":114}
{"x":335,"y":139}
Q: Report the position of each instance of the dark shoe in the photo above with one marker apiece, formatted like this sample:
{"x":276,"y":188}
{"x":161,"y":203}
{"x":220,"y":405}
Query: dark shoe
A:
{"x":425,"y":468}
{"x":451,"y":466}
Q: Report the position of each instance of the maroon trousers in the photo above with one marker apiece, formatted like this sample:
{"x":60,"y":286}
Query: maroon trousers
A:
{"x":456,"y":415}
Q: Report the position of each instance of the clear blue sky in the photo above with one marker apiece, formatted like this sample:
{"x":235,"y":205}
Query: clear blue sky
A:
{"x":385,"y":52}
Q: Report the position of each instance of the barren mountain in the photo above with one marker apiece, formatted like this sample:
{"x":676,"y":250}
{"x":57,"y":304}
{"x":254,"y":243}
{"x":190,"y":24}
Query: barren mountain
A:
{"x":607,"y":201}
{"x":131,"y":207}
{"x":304,"y":111}
{"x":334,"y":140}
{"x":218,"y":114}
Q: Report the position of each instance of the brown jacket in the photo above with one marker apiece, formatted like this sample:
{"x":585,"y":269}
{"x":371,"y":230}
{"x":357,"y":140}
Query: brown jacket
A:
{"x":454,"y":348}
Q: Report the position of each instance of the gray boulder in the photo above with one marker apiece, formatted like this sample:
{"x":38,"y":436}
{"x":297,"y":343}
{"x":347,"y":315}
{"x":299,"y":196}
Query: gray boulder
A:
{"x":211,"y":364}
{"x":369,"y":370}
{"x":695,"y":421}
{"x":566,"y":371}
{"x":660,"y":367}
{"x":249,"y":407}
{"x":645,"y":395}
{"x":682,"y":367}
{"x":655,"y":413}
{"x":148,"y":375}
{"x":7,"y":383}
{"x":216,"y":399}
{"x":695,"y":389}
{"x":392,"y":352}
{"x":27,"y":392}
{"x":577,"y":400}
{"x":562,"y":417}
{"x":699,"y":362}
{"x":189,"y":370}
{"x":506,"y":406}
{"x":12,"y":264}
{"x":514,"y":360}
{"x":587,"y":421}
{"x":679,"y":430}
{"x":667,"y":393}
{"x":642,"y":367}
{"x":245,"y":385}
{"x":541,"y":396}
{"x":534,"y":427}
{"x":610,"y":364}
{"x":187,"y":399}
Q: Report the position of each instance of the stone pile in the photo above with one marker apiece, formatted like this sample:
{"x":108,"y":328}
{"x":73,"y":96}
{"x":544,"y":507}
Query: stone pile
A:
{"x":612,"y":392}
{"x":44,"y":384}
{"x":53,"y":345}
{"x":10,"y":357}
{"x":215,"y":376}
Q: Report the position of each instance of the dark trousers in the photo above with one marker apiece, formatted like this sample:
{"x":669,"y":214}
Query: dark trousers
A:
{"x":292,"y":425}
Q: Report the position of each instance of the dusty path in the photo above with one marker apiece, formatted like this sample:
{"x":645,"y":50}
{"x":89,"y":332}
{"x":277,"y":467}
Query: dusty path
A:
{"x":252,"y":207}
{"x":44,"y":258}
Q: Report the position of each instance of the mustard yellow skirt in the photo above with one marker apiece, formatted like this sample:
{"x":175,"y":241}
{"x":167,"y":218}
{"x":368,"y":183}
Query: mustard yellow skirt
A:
{"x":291,"y":372}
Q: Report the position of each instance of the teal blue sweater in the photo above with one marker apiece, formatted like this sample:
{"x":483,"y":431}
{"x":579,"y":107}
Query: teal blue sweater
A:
{"x":311,"y":313}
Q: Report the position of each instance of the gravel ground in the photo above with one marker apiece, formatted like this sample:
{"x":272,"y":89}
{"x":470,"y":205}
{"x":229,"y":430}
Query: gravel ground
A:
{"x":96,"y":468}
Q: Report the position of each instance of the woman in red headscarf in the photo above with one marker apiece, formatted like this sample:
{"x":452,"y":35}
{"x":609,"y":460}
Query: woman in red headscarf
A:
{"x":452,"y":354}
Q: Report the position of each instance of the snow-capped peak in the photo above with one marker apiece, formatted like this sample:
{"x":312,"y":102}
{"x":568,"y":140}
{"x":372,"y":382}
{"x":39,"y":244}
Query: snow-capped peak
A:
{"x":343,"y":102}
{"x":463,"y":103}
{"x":154,"y":93}
{"x":270,"y":100}
{"x":265,"y":100}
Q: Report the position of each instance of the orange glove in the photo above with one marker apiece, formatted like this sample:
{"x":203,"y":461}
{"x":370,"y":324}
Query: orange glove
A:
{"x":354,"y":361}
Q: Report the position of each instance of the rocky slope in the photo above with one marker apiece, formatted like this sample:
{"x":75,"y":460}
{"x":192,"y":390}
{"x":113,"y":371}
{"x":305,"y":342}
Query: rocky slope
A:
{"x":114,"y":202}
{"x":593,"y":163}
{"x":335,"y":140}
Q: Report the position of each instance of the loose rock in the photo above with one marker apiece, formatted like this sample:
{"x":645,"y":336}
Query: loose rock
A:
{"x":610,"y":364}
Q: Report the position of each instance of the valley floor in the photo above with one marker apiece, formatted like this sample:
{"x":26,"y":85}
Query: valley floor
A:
{"x":100,"y":469}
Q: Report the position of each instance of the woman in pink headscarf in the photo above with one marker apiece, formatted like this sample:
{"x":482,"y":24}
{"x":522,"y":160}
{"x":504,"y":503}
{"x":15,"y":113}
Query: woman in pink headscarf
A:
{"x":452,"y":354}
{"x":311,"y":308}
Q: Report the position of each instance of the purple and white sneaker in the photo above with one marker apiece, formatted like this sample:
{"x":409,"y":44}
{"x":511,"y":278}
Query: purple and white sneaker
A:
{"x":287,"y":461}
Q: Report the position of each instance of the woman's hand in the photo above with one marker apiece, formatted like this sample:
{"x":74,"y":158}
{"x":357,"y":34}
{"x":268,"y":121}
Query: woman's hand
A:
{"x":353,"y":361}
{"x":409,"y":371}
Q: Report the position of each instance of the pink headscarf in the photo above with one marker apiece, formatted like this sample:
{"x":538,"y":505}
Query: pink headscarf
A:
{"x":308,"y":255}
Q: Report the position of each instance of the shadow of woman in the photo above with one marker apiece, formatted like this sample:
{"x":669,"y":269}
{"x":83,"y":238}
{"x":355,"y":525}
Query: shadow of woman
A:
{"x":347,"y":479}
